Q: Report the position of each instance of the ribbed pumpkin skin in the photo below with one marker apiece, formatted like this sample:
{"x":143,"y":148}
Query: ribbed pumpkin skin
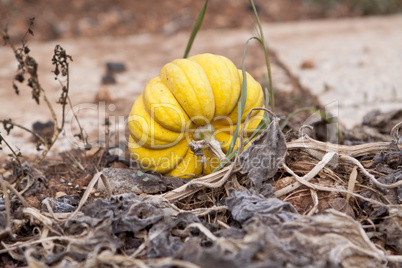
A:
{"x":188,"y":93}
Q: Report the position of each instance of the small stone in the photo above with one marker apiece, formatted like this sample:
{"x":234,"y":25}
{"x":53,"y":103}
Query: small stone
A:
{"x":116,"y":67}
{"x":307,"y":64}
{"x":69,"y":184}
{"x":117,"y":164}
{"x":103,"y":95}
{"x":44,"y":130}
{"x":7,"y":174}
{"x":108,"y":79}
{"x":60,"y":194}
{"x":62,"y":180}
{"x":116,"y":151}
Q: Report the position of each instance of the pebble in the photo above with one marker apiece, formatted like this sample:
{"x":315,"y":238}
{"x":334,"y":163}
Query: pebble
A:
{"x":116,"y":67}
{"x":116,"y":151}
{"x":7,"y":174}
{"x":103,"y":95}
{"x":108,"y":79}
{"x":60,"y":194}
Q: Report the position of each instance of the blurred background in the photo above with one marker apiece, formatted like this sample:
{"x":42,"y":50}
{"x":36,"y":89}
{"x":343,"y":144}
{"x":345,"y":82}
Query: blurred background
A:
{"x":59,"y":19}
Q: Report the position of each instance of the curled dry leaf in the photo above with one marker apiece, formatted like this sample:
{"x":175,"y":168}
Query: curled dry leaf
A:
{"x":263,"y":157}
{"x":392,"y":227}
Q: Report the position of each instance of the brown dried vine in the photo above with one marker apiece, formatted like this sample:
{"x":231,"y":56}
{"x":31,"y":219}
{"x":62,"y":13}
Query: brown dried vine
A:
{"x":27,"y":71}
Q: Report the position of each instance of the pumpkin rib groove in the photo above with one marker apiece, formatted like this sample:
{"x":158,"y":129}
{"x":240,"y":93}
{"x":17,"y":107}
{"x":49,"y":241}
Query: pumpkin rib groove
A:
{"x":167,"y":85}
{"x":191,"y":82}
{"x":150,"y":89}
{"x":211,"y":87}
{"x":156,"y":159}
{"x":192,"y":88}
{"x":210,"y":83}
{"x":178,"y":102}
{"x":238,"y":80}
{"x":231,"y":86}
{"x":144,"y":127}
{"x":223,"y":77}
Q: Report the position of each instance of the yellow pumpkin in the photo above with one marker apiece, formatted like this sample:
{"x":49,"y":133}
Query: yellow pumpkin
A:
{"x":189,"y":94}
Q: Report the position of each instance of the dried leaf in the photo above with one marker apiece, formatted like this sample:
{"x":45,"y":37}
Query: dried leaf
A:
{"x":137,"y":181}
{"x":262,"y":158}
{"x":244,"y":205}
{"x":391,"y":227}
{"x":331,"y":239}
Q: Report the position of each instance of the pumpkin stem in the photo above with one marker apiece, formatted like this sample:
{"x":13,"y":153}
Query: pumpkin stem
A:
{"x":204,"y":139}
